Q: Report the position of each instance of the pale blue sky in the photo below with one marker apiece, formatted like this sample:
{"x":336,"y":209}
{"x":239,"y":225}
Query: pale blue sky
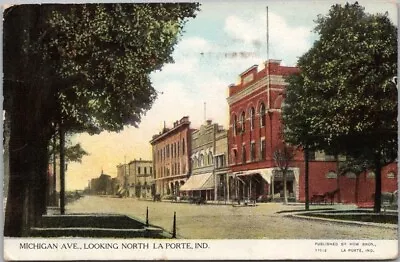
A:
{"x":220,"y":29}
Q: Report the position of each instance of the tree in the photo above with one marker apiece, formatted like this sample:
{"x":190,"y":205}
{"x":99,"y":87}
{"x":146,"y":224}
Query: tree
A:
{"x":345,"y":91}
{"x":296,"y":123}
{"x":283,"y":155}
{"x":76,"y":68}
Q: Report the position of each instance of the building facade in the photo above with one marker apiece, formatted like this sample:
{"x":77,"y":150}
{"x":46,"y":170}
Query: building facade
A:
{"x":140,"y":178}
{"x":255,"y":133}
{"x":102,"y":185}
{"x":221,"y":165}
{"x":203,"y":180}
{"x":171,"y":157}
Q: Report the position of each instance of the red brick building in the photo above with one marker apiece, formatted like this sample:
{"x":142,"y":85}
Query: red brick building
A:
{"x":255,"y":133}
{"x":171,"y":157}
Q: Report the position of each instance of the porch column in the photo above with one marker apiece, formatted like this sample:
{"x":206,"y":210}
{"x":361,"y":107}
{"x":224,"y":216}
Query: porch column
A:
{"x":250,"y":190}
{"x":216,"y":184}
{"x":272,"y":186}
{"x":227,"y":186}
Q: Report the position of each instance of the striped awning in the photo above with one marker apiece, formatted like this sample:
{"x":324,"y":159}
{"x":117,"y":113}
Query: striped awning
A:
{"x":198,"y":182}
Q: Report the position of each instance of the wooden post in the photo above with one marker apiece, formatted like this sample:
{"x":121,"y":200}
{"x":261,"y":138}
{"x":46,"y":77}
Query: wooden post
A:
{"x":174,"y":226}
{"x":147,"y":216}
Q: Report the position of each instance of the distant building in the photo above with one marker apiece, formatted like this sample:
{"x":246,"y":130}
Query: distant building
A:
{"x":103,"y":185}
{"x":171,"y":151}
{"x":140,"y":178}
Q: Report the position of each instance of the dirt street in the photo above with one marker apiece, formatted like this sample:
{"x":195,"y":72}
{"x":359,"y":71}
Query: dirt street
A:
{"x":228,"y":222}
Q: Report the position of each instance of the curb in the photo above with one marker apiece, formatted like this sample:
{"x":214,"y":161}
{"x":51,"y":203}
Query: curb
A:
{"x":389,"y":226}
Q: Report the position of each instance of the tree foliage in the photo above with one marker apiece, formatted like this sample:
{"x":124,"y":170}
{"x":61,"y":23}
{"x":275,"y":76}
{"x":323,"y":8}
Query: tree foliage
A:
{"x":84,"y":68}
{"x":98,"y":57}
{"x":343,"y":101}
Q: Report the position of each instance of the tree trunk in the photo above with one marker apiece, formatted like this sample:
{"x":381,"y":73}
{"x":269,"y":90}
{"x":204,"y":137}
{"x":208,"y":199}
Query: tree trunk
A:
{"x":306,"y":184}
{"x":62,"y":169}
{"x":339,"y":196}
{"x":356,"y":191}
{"x":285,"y":197}
{"x":26,"y":200}
{"x":378,"y":183}
{"x":28,"y":101}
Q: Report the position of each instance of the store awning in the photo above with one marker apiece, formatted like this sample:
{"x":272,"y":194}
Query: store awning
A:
{"x":265,"y":173}
{"x":198,"y":182}
{"x":268,"y":173}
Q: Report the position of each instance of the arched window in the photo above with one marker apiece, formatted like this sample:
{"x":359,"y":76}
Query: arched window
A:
{"x":210,"y":158}
{"x":244,"y":157}
{"x":252,"y":117}
{"x":243,"y":122}
{"x":391,"y":174}
{"x":331,"y":175}
{"x":234,"y":125}
{"x":201,"y":160}
{"x":234,"y":156}
{"x":262,"y":115}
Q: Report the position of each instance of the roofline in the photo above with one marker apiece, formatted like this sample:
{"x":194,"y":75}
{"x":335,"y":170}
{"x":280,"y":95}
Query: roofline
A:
{"x":168,"y":132}
{"x":249,"y":69}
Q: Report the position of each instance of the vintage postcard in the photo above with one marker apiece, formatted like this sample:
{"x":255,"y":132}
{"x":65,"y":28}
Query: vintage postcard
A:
{"x":200,"y":130}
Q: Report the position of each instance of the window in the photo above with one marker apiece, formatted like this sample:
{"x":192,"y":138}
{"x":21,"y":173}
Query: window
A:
{"x":138,"y":170}
{"x":234,"y":125}
{"x":262,"y":149}
{"x":262,"y":115}
{"x":178,"y":149}
{"x":210,"y":158}
{"x":350,"y":175}
{"x":234,"y":156}
{"x":201,"y":160}
{"x":151,"y":170}
{"x":145,"y":170}
{"x":183,"y":146}
{"x":244,"y":154}
{"x":175,"y":149}
{"x":179,"y":168}
{"x":243,"y":122}
{"x":253,"y":151}
{"x":371,"y":174}
{"x":331,"y":175}
{"x":252,"y":118}
{"x":391,"y":175}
